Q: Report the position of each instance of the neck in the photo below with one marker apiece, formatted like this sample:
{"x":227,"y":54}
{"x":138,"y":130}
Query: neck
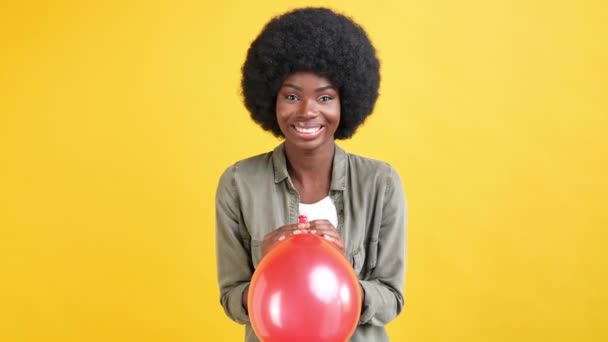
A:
{"x":310,"y":165}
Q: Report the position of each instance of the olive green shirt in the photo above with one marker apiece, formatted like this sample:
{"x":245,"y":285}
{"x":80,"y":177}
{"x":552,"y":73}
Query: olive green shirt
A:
{"x":256,"y":196}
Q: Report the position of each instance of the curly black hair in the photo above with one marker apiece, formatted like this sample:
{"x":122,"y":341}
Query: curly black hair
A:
{"x":317,"y":40}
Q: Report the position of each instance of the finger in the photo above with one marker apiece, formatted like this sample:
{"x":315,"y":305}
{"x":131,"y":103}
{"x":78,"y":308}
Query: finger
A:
{"x":295,"y":226}
{"x":325,"y":231}
{"x":295,"y":229}
{"x":283,"y":235}
{"x":330,"y":232}
{"x":286,"y":230}
{"x":320,"y":222}
{"x":337,"y":242}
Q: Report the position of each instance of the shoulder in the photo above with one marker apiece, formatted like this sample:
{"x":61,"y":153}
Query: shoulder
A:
{"x":370,"y":168}
{"x":248,"y":170}
{"x":251,"y":165}
{"x":377,"y":179}
{"x":368,"y":175}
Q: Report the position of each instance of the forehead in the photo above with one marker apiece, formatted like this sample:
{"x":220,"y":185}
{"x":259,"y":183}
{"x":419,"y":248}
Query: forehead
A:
{"x":307,"y":79}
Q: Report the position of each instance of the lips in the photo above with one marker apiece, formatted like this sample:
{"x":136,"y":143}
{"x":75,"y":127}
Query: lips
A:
{"x":310,"y":130}
{"x":307,"y":129}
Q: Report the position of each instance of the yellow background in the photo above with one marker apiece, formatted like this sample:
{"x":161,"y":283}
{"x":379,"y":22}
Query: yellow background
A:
{"x":117,"y":118}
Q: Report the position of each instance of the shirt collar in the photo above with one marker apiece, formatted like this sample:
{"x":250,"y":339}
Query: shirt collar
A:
{"x":339,"y":168}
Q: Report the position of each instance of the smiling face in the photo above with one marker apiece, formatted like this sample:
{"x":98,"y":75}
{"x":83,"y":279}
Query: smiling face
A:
{"x":308,"y":111}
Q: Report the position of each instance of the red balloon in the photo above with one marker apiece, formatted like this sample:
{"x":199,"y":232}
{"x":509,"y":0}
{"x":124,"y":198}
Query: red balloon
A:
{"x":304,"y":290}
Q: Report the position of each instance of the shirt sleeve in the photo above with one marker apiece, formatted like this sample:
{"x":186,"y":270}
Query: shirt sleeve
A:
{"x":383,"y":290}
{"x":233,"y":255}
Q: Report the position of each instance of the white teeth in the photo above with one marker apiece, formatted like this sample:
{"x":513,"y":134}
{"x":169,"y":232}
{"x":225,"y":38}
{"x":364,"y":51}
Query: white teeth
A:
{"x":308,"y":130}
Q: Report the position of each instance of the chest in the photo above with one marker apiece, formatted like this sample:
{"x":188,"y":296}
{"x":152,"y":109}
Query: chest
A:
{"x":324,"y":209}
{"x":312,"y":191}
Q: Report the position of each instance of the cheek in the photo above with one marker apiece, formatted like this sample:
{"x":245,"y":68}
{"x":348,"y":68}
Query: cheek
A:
{"x":279,"y":112}
{"x":280,"y":115}
{"x":282,"y":108}
{"x":336,"y":113}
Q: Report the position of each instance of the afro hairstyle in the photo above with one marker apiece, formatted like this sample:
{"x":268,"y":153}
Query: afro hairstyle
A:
{"x":315,"y":40}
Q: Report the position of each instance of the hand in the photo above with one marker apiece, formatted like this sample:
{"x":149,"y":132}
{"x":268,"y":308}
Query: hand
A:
{"x":279,"y":234}
{"x":244,"y":298}
{"x":328,"y":231}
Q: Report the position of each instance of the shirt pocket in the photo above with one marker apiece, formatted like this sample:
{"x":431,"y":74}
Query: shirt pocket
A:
{"x":356,"y":259}
{"x":364,"y":258}
{"x":256,"y":252}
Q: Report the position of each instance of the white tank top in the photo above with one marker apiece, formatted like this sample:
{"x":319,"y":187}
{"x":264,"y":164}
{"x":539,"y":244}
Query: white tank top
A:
{"x":325,"y":209}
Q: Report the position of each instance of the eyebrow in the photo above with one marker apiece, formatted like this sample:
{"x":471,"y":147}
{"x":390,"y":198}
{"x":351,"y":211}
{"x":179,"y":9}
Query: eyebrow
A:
{"x":289,"y":85}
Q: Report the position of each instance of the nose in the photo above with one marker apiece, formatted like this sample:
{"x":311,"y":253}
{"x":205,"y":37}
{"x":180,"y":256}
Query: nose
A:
{"x":309,"y":108}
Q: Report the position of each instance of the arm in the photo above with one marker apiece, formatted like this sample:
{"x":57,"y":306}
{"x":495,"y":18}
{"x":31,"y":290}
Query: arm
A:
{"x":234,"y":265}
{"x":383,"y":292}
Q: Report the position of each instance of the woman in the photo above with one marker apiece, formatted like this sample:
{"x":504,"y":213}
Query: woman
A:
{"x":310,"y":77}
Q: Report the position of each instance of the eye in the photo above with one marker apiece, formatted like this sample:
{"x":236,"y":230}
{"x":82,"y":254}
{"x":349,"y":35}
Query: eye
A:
{"x":291,"y":97}
{"x":325,"y":98}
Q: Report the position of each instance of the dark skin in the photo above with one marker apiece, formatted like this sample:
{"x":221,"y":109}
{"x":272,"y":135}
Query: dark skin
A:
{"x":308,"y":112}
